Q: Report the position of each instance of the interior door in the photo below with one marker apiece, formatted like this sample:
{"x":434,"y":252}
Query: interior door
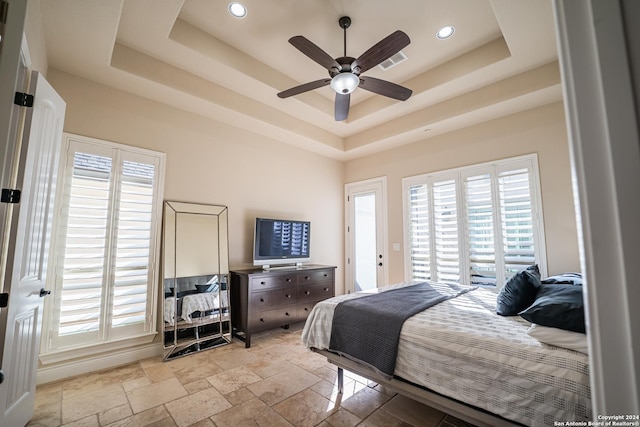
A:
{"x":29,"y":252}
{"x":366,"y":235}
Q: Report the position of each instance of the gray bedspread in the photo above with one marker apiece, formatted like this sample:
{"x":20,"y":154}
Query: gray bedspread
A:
{"x":367,"y":329}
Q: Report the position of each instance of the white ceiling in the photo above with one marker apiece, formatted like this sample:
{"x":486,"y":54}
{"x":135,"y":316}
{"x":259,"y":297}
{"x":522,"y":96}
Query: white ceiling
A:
{"x":192,"y":54}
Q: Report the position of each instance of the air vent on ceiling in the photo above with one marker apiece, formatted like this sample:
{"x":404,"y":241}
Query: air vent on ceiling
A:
{"x":393,"y":61}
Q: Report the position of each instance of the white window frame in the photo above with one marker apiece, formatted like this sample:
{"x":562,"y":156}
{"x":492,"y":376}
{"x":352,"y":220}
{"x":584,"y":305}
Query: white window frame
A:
{"x":530,"y":161}
{"x":51,"y":351}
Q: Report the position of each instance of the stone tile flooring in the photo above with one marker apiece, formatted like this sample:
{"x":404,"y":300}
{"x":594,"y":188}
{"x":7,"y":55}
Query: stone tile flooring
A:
{"x":276,"y":382}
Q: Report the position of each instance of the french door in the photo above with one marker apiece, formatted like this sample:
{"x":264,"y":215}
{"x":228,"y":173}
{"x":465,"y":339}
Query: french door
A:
{"x":365,"y":213}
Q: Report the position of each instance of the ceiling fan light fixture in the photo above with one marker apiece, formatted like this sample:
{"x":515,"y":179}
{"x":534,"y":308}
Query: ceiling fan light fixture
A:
{"x":345,"y":83}
{"x":445,"y":32}
{"x":237,"y":10}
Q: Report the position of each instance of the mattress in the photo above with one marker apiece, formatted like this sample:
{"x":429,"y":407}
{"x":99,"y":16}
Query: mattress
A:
{"x":461,"y":349}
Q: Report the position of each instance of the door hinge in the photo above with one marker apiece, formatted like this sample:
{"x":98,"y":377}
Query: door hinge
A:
{"x":23,"y":99}
{"x":4,"y":8}
{"x":4,"y":300}
{"x":10,"y":195}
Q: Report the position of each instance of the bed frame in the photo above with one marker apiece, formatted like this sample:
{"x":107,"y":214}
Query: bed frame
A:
{"x":435,"y":400}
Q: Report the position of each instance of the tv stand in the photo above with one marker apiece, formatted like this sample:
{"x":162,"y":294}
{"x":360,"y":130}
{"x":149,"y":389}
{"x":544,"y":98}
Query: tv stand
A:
{"x":263,"y":300}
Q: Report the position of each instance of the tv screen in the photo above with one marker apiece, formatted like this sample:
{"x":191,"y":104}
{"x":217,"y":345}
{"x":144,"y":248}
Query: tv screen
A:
{"x":279,"y":241}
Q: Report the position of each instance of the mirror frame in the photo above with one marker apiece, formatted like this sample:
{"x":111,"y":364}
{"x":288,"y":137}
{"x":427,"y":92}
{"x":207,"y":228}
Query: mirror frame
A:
{"x":185,"y":270}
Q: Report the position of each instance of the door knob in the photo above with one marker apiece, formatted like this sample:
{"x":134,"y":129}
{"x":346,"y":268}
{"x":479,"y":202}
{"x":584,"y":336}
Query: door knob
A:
{"x":44,"y":292}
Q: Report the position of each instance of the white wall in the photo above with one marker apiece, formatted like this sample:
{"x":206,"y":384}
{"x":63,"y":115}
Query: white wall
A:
{"x":541,"y":130}
{"x":211,"y":162}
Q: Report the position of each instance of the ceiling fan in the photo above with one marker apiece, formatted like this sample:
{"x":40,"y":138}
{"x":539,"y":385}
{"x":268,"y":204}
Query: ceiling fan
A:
{"x":346,"y":71}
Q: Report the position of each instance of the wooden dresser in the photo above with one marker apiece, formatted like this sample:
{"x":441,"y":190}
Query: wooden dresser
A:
{"x":268,"y":299}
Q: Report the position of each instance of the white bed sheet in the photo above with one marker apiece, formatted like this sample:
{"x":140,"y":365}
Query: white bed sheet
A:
{"x":462,"y":349}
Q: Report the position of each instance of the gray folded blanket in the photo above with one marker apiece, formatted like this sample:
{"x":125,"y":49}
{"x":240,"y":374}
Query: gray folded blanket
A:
{"x":367,"y":329}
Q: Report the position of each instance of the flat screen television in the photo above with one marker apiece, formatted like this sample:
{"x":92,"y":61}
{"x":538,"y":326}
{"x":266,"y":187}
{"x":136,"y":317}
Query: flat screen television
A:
{"x":281,"y":241}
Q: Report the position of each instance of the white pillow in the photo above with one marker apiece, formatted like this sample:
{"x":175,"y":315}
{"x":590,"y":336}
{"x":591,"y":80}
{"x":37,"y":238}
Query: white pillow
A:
{"x":560,"y":338}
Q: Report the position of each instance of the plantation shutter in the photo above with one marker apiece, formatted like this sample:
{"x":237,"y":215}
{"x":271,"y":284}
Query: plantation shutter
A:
{"x":480,"y":230}
{"x":87,"y":210}
{"x":419,"y":232}
{"x":516,"y":220}
{"x":445,"y":214}
{"x":131,"y":275}
{"x":475,"y":225}
{"x":105,"y":287}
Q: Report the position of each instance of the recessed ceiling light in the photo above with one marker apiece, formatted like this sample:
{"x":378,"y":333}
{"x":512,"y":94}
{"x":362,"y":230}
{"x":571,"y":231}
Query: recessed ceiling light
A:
{"x":237,"y":10}
{"x":445,"y":32}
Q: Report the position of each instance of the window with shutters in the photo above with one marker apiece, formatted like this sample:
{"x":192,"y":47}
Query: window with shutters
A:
{"x":107,"y":247}
{"x":474,"y":225}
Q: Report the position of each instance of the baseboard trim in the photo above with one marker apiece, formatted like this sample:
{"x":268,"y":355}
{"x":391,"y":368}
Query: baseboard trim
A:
{"x":112,"y":359}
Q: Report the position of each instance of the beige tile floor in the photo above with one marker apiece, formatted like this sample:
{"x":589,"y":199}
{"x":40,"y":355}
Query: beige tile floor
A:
{"x":276,"y":382}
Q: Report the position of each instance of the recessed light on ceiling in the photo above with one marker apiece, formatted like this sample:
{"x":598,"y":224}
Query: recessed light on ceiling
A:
{"x":237,"y":10}
{"x":445,"y":32}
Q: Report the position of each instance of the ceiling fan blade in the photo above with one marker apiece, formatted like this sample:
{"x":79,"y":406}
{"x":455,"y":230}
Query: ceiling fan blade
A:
{"x":307,"y":47}
{"x":383,"y":87}
{"x":342,"y":106}
{"x":304,"y":88}
{"x":382,"y":50}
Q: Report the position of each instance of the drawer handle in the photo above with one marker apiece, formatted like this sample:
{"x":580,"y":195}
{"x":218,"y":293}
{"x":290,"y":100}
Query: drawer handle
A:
{"x":306,"y":277}
{"x":307,"y":292}
{"x":325,"y":274}
{"x":263,"y":283}
{"x":286,"y":314}
{"x":288,"y":296}
{"x":326,"y":289}
{"x":262,"y":319}
{"x":306,"y":309}
{"x":261,"y":299}
{"x":288,"y":280}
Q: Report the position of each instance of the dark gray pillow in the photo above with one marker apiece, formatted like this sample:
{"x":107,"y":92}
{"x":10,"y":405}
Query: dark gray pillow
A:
{"x":519,"y":292}
{"x":564,"y":279}
{"x":557,"y":306}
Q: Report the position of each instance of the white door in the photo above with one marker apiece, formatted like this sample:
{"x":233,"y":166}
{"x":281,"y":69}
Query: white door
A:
{"x":366,"y":234}
{"x":29,"y":251}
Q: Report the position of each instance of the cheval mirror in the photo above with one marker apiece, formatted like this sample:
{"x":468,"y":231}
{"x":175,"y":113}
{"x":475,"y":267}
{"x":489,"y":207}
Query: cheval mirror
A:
{"x":195,"y":257}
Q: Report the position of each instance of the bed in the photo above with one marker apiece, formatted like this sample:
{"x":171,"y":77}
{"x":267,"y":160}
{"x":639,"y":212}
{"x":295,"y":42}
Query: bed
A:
{"x":459,"y":356}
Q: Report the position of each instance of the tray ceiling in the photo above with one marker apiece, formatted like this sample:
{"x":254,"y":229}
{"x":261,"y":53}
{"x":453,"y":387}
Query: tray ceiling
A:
{"x":194,"y":55}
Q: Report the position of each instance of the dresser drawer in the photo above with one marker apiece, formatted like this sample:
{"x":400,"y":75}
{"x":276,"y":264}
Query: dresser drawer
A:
{"x":259,"y":301}
{"x":271,"y":282}
{"x":305,"y":309}
{"x":272,"y":318}
{"x":314,"y":291}
{"x":315,"y":276}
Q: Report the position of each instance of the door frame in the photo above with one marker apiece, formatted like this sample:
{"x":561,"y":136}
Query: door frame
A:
{"x":598,"y":49}
{"x":379,"y":186}
{"x":14,"y":52}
